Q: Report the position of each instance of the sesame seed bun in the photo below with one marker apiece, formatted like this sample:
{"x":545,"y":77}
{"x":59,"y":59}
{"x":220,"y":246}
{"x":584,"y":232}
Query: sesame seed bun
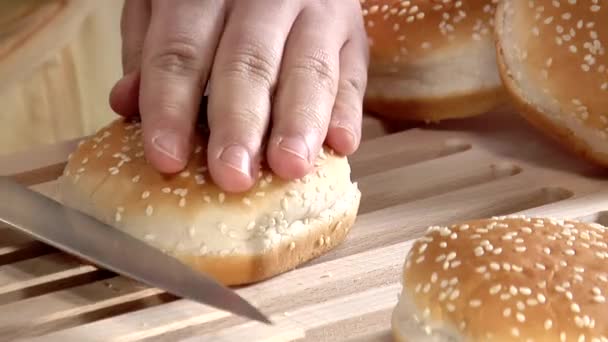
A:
{"x":552,"y":58}
{"x":236,"y":238}
{"x":431,"y":60}
{"x":506,"y":279}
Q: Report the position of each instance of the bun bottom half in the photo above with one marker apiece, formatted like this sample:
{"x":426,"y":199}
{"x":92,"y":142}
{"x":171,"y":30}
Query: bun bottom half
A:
{"x":455,"y":106}
{"x":451,"y":82}
{"x":407,"y":327}
{"x":320,"y":236}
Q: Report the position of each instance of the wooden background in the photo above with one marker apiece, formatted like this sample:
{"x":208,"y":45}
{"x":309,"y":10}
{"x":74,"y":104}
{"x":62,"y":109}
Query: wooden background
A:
{"x":58,"y":61}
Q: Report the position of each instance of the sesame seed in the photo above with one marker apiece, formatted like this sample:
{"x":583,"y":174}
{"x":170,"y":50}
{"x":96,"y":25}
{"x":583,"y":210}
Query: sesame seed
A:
{"x":575,"y":308}
{"x":475,"y":303}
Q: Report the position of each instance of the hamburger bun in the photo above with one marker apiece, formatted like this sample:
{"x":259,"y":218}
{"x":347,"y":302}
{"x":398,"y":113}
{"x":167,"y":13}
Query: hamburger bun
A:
{"x":236,"y":238}
{"x":506,"y":279}
{"x":431,"y":60}
{"x":553,"y":60}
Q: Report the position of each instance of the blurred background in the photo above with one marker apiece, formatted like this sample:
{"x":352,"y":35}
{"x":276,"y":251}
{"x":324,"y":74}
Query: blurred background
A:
{"x":58,"y":61}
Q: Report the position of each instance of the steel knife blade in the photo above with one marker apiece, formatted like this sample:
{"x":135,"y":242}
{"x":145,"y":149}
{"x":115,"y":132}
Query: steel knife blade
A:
{"x":84,"y":236}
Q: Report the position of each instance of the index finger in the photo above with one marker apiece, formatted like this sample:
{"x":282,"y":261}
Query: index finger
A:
{"x":177,"y":56}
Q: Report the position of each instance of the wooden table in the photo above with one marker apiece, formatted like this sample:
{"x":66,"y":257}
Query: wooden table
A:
{"x":412,"y":178}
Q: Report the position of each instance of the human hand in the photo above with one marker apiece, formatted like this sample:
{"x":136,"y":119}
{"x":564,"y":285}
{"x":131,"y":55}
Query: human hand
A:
{"x":297,"y":68}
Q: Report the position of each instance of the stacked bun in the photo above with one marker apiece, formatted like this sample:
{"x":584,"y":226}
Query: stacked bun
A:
{"x":236,"y":238}
{"x":431,"y":60}
{"x":554,"y":62}
{"x":506,"y":279}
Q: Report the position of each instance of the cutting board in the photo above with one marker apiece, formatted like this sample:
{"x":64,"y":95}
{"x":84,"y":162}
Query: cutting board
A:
{"x":410,"y":177}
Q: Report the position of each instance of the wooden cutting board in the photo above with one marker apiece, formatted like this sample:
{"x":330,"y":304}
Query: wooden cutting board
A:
{"x":410,"y":178}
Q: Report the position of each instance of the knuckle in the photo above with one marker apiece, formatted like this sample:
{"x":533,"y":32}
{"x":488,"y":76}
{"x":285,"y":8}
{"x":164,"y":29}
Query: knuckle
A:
{"x":348,"y":108}
{"x":355,"y":83}
{"x":319,"y":67}
{"x":253,"y":61}
{"x":310,"y":118}
{"x":179,"y":56}
{"x":246,"y":122}
{"x":131,"y":55}
{"x":165,"y":112}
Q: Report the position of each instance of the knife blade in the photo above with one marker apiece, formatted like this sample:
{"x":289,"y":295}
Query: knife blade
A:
{"x":82,"y":235}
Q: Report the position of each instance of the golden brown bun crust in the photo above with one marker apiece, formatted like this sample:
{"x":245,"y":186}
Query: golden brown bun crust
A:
{"x":435,"y":110}
{"x":282,"y":258}
{"x":430,"y":59}
{"x":510,"y":278}
{"x":546,"y":73}
{"x":237,"y":238}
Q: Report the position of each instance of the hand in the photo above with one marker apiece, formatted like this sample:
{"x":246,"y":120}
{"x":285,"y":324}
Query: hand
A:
{"x":297,"y":65}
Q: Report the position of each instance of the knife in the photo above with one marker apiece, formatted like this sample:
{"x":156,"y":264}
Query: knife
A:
{"x":84,"y":236}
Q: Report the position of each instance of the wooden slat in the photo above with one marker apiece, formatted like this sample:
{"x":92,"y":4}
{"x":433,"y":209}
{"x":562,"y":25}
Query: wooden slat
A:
{"x":378,"y":336}
{"x":401,"y":149}
{"x":43,"y":270}
{"x":135,"y":326}
{"x":591,"y":207}
{"x":395,"y":186}
{"x":308,"y":285}
{"x":409,"y":220}
{"x":39,"y":270}
{"x":364,"y":327}
{"x":33,"y":315}
{"x":314,"y":316}
{"x":18,"y":250}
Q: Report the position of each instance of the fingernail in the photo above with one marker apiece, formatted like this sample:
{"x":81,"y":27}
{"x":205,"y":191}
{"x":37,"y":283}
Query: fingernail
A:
{"x":168,"y":143}
{"x":294,"y":146}
{"x":237,"y":158}
{"x":348,"y":132}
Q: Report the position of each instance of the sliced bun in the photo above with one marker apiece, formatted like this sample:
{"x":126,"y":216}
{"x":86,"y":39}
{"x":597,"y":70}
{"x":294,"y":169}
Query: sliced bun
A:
{"x":237,"y":238}
{"x":506,"y":279}
{"x":552,"y":58}
{"x":431,"y":60}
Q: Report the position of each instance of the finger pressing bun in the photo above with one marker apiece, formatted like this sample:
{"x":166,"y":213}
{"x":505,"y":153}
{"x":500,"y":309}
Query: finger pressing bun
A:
{"x":431,"y":60}
{"x":506,"y":279}
{"x":237,"y":238}
{"x":552,"y":58}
